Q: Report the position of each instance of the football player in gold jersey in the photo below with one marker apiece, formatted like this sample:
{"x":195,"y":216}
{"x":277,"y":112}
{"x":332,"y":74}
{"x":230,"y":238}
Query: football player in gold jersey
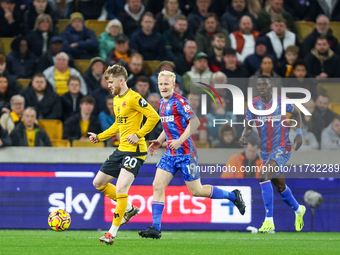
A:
{"x":125,"y":162}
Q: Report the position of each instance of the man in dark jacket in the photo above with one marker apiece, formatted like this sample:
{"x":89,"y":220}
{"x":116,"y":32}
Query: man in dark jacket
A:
{"x":12,"y":83}
{"x":131,"y":16}
{"x":185,"y":61}
{"x":77,"y":126}
{"x":146,"y":41}
{"x":40,"y":95}
{"x":321,"y":107}
{"x":11,"y":21}
{"x":93,"y":74}
{"x":70,"y":101}
{"x":79,"y":41}
{"x":28,"y":133}
{"x":100,"y":94}
{"x":135,"y":69}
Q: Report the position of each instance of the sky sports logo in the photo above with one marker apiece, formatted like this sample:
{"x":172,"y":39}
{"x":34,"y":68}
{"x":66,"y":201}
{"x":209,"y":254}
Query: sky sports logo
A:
{"x":262,"y":115}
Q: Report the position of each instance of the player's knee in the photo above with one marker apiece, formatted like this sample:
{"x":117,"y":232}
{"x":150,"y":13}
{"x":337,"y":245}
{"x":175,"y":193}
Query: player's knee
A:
{"x":280,"y":188}
{"x":97,"y":184}
{"x":158,"y":186}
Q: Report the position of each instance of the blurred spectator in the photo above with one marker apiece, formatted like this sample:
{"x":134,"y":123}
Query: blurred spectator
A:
{"x":232,"y":17}
{"x":322,"y":103}
{"x":330,"y":8}
{"x":215,"y":58}
{"x":131,"y":16}
{"x":309,"y":141}
{"x":201,"y":133}
{"x":41,"y":96}
{"x":9,"y":120}
{"x":153,"y":100}
{"x":176,"y":36}
{"x":220,"y":6}
{"x":121,"y":53}
{"x":99,"y":95}
{"x":314,"y":122}
{"x":147,"y":41}
{"x":300,"y":10}
{"x":39,"y":38}
{"x":300,"y":79}
{"x":274,"y":8}
{"x":58,"y":75}
{"x":198,"y":15}
{"x":247,"y":164}
{"x":21,"y":62}
{"x":142,"y":86}
{"x":155,"y":6}
{"x":27,"y":133}
{"x":91,"y":9}
{"x":70,"y":101}
{"x":285,"y":68}
{"x":12,"y":83}
{"x":243,"y":40}
{"x":330,"y":138}
{"x":227,"y":137}
{"x":185,"y":61}
{"x":199,"y":72}
{"x":93,"y":74}
{"x":323,"y":62}
{"x":107,"y":39}
{"x":168,"y":66}
{"x":11,"y":19}
{"x":34,"y":10}
{"x":218,"y":111}
{"x":5,"y":139}
{"x":5,"y":95}
{"x":135,"y":69}
{"x":321,"y":28}
{"x":231,"y":69}
{"x":79,"y":41}
{"x":166,"y":18}
{"x":208,"y":28}
{"x":280,"y":38}
{"x":48,"y":59}
{"x":77,"y":126}
{"x":113,"y":8}
{"x":254,"y":7}
{"x":187,"y":6}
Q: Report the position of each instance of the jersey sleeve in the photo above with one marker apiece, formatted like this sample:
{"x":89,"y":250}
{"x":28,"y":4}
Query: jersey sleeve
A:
{"x":249,"y":114}
{"x":184,"y":108}
{"x":108,"y":133}
{"x":138,"y":103}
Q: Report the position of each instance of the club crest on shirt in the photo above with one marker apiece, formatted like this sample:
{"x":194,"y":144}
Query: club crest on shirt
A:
{"x":260,"y":107}
{"x":168,"y":107}
{"x":124,"y":104}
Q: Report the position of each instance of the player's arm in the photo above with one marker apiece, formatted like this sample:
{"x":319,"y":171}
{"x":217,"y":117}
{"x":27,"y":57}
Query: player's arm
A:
{"x":298,"y":138}
{"x":249,"y":116}
{"x":108,"y":133}
{"x":155,"y":144}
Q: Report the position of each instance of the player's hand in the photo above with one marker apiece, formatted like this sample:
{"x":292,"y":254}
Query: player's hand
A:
{"x":93,"y":137}
{"x":153,"y":147}
{"x":1,"y":143}
{"x":132,"y":139}
{"x":174,"y":144}
{"x":297,"y":142}
{"x":242,"y":141}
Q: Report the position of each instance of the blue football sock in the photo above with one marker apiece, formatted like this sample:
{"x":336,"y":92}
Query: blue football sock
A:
{"x":217,"y":193}
{"x":268,"y":197}
{"x":157,"y":211}
{"x":289,"y":199}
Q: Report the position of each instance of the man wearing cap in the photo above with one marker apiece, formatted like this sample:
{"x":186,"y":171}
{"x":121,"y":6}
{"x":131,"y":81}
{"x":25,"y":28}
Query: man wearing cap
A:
{"x":79,"y":41}
{"x":94,"y":73}
{"x":121,"y":53}
{"x":199,"y":71}
{"x":11,"y":19}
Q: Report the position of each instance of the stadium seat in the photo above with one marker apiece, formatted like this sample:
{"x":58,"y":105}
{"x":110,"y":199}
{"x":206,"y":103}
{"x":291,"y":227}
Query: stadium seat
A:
{"x":201,"y":144}
{"x":331,"y":89}
{"x":304,"y":29}
{"x":81,"y":143}
{"x":335,"y":107}
{"x":82,"y":65}
{"x":97,"y":26}
{"x":335,"y":26}
{"x":5,"y":45}
{"x":53,"y":128}
{"x":62,"y":24}
{"x":23,"y":83}
{"x":60,"y":143}
{"x":150,"y":66}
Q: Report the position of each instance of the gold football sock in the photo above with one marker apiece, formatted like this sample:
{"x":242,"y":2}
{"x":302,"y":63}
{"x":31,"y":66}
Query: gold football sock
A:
{"x":109,"y":190}
{"x":122,"y":200}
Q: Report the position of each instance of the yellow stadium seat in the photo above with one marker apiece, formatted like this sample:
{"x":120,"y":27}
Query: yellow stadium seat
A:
{"x":304,"y":29}
{"x":97,"y":26}
{"x":23,"y":83}
{"x":201,"y":144}
{"x":331,"y":89}
{"x":82,"y":65}
{"x":53,"y":128}
{"x":335,"y":107}
{"x":150,"y":66}
{"x":335,"y":26}
{"x":60,"y":143}
{"x":81,"y":143}
{"x":62,"y":24}
{"x":5,"y":45}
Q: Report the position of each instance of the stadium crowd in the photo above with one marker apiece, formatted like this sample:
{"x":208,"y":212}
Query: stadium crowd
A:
{"x":213,"y":41}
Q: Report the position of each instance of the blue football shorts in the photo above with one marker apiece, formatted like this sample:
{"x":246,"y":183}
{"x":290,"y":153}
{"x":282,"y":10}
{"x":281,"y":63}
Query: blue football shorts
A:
{"x":279,"y":155}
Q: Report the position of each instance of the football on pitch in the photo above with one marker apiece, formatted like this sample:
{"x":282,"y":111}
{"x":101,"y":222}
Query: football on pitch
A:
{"x":59,"y":220}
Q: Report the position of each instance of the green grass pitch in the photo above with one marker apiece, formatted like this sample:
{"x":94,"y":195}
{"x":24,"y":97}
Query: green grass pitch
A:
{"x":172,"y":242}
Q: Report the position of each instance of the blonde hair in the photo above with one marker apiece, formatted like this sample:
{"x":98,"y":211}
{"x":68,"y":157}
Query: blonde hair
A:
{"x":114,"y":22}
{"x":62,"y":55}
{"x":168,"y":73}
{"x":116,"y":71}
{"x":41,"y":18}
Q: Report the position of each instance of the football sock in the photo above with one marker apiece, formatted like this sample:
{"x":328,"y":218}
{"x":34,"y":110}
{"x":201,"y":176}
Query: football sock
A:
{"x":157,"y":211}
{"x":120,"y":209}
{"x":289,"y":199}
{"x":270,"y":219}
{"x":268,"y":197}
{"x":217,"y":193}
{"x":110,"y":191}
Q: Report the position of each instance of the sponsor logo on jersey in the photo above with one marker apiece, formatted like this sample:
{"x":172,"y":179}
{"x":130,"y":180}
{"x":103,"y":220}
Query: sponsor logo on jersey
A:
{"x":142,"y":102}
{"x":121,"y":120}
{"x":169,"y":118}
{"x":270,"y":118}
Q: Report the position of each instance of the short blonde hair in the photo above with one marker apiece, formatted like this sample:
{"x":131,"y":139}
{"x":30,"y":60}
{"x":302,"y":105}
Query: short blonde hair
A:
{"x":41,"y":17}
{"x":168,"y":73}
{"x":115,"y":71}
{"x":114,"y":22}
